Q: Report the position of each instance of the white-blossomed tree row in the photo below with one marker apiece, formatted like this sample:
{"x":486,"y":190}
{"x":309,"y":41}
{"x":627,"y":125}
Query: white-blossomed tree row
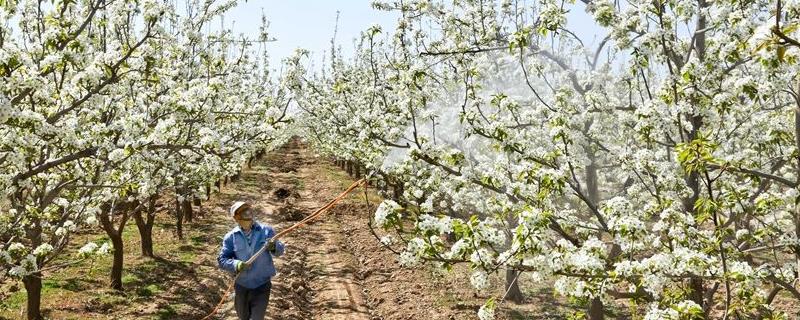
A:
{"x":107,"y":104}
{"x":651,"y":172}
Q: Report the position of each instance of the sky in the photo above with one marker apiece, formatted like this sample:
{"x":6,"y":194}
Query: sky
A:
{"x":309,"y":24}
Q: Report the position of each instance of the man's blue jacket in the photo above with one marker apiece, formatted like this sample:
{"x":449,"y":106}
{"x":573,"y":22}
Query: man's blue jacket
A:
{"x":235,"y":246}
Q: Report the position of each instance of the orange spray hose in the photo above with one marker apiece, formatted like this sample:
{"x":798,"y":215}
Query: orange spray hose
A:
{"x":297,"y":225}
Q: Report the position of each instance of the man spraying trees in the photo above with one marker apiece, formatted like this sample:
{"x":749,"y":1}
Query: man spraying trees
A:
{"x":253,"y":283}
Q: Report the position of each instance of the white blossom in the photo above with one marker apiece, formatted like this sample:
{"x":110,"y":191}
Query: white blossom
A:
{"x":43,"y":249}
{"x":88,"y":249}
{"x":486,"y":311}
{"x":479,"y":280}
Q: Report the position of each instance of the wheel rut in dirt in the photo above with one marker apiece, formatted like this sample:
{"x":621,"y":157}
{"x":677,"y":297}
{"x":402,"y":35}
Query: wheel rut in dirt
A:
{"x":319,"y":281}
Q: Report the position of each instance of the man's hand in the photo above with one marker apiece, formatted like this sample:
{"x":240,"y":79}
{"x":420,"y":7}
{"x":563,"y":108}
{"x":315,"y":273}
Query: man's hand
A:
{"x":241,"y":265}
{"x":271,"y":246}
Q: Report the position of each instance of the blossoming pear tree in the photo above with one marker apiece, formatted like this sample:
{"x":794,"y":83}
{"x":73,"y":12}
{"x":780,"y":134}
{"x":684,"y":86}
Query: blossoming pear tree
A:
{"x":103,"y":106}
{"x":654,"y":169}
{"x":57,"y":61}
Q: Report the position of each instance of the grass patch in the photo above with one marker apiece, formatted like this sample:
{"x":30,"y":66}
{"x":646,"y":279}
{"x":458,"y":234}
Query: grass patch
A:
{"x":148,"y":266}
{"x":187,"y":256}
{"x":106,"y":301}
{"x":130,"y":234}
{"x":69,"y":284}
{"x":112,"y":299}
{"x":167,"y":312}
{"x":83,"y":284}
{"x":14,"y":301}
{"x":199,"y":240}
{"x":149,"y":290}
{"x":129,"y":278}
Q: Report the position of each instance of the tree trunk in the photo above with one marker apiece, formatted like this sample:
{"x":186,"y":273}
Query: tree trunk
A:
{"x":197,"y":203}
{"x":33,"y":286}
{"x":146,"y":235}
{"x":696,"y":293}
{"x":513,"y":293}
{"x":596,"y":309}
{"x":187,"y":210}
{"x":512,"y":286}
{"x":696,"y":285}
{"x":693,"y":180}
{"x":144,"y":222}
{"x":32,"y":282}
{"x":797,"y":171}
{"x":398,"y":191}
{"x":115,"y":234}
{"x":208,"y":191}
{"x":358,"y":170}
{"x":116,"y":267}
{"x":218,"y":184}
{"x":178,"y":218}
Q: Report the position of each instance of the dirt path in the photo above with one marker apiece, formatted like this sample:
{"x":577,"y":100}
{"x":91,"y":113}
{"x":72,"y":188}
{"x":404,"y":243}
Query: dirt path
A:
{"x":335,"y":268}
{"x":315,"y":279}
{"x":338,"y":296}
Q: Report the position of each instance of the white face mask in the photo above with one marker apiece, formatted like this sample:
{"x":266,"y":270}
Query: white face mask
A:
{"x":245,"y":225}
{"x":244,"y":219}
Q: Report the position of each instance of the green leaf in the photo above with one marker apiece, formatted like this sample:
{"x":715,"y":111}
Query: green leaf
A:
{"x":704,"y":209}
{"x":696,"y":155}
{"x":520,"y":39}
{"x":750,"y":90}
{"x":792,"y":27}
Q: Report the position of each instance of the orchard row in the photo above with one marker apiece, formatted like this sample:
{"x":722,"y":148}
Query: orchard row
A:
{"x":107,"y":104}
{"x":648,"y":170}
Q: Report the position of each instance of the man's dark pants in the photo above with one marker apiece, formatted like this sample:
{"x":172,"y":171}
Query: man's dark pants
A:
{"x":251,"y":304}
